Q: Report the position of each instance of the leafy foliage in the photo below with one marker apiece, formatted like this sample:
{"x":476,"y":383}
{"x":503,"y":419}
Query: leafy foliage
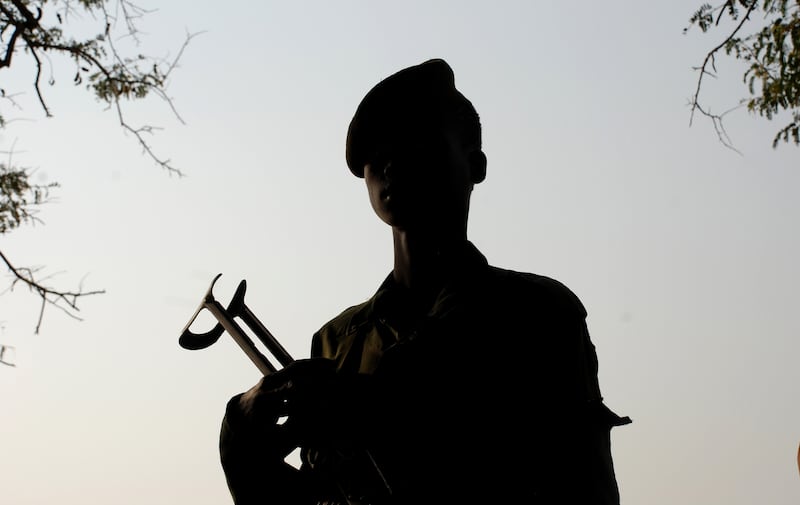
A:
{"x":18,"y":197}
{"x":109,"y":75}
{"x":771,"y":53}
{"x":42,"y":30}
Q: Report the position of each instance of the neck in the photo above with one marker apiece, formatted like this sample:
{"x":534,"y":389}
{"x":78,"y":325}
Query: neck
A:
{"x":421,"y":260}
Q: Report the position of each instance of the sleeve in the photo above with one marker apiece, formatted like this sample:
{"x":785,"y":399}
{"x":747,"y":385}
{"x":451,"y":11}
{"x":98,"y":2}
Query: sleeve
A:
{"x":601,"y":420}
{"x":253,"y":475}
{"x":588,"y":446}
{"x":575,"y":439}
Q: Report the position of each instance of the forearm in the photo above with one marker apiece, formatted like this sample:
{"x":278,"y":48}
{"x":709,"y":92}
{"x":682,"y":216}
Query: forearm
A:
{"x":253,"y":462}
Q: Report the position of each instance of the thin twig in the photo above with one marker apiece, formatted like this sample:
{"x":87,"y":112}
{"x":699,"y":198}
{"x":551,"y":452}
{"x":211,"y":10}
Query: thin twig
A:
{"x":710,"y":57}
{"x":716,"y":120}
{"x":66,"y":301}
{"x":3,"y":360}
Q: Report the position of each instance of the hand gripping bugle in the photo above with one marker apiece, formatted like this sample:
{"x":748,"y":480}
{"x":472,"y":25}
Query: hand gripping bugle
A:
{"x":227,"y":322}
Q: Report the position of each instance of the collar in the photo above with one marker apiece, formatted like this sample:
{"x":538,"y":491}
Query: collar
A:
{"x":393,"y":304}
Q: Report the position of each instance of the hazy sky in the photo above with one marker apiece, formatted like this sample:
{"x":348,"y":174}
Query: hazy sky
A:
{"x":683,"y":251}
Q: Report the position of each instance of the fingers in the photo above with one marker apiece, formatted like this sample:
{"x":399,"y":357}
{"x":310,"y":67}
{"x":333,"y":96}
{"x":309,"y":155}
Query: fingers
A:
{"x":259,"y":405}
{"x":303,"y":369}
{"x":280,"y":394}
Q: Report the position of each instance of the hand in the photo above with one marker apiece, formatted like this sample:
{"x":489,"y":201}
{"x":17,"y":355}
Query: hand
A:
{"x":254,"y":444}
{"x":301,"y":394}
{"x":301,"y":388}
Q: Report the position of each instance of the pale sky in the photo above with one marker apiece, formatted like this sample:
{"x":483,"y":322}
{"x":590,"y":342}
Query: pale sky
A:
{"x":684,"y":252}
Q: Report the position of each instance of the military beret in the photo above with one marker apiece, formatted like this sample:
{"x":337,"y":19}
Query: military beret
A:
{"x":420,"y":96}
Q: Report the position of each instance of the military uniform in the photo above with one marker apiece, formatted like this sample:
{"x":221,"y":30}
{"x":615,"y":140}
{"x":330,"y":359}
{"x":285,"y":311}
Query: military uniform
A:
{"x":486,"y":395}
{"x":490,"y":396}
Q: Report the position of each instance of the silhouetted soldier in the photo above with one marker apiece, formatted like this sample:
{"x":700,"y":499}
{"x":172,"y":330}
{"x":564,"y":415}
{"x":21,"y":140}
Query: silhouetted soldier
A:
{"x":457,"y":382}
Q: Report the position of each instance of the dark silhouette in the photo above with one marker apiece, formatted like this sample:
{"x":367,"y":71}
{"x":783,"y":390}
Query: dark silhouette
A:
{"x":457,"y":382}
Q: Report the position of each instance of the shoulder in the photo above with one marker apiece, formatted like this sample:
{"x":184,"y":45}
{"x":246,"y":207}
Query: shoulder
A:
{"x":535,"y":288}
{"x":349,"y":319}
{"x":328,"y":339}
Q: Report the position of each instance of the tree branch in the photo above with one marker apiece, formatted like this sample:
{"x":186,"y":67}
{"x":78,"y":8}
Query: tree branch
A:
{"x":716,"y":120}
{"x":112,"y":77}
{"x":710,"y":58}
{"x":66,"y":301}
{"x":12,"y":41}
{"x":31,"y":21}
{"x":6,"y":349}
{"x":113,"y":80}
{"x":38,"y":78}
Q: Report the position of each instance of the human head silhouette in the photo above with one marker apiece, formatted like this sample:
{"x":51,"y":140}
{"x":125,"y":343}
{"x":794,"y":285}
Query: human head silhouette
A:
{"x":416,"y":139}
{"x":420,"y":97}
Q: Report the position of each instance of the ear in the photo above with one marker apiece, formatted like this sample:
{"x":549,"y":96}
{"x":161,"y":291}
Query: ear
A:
{"x":477,"y":166}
